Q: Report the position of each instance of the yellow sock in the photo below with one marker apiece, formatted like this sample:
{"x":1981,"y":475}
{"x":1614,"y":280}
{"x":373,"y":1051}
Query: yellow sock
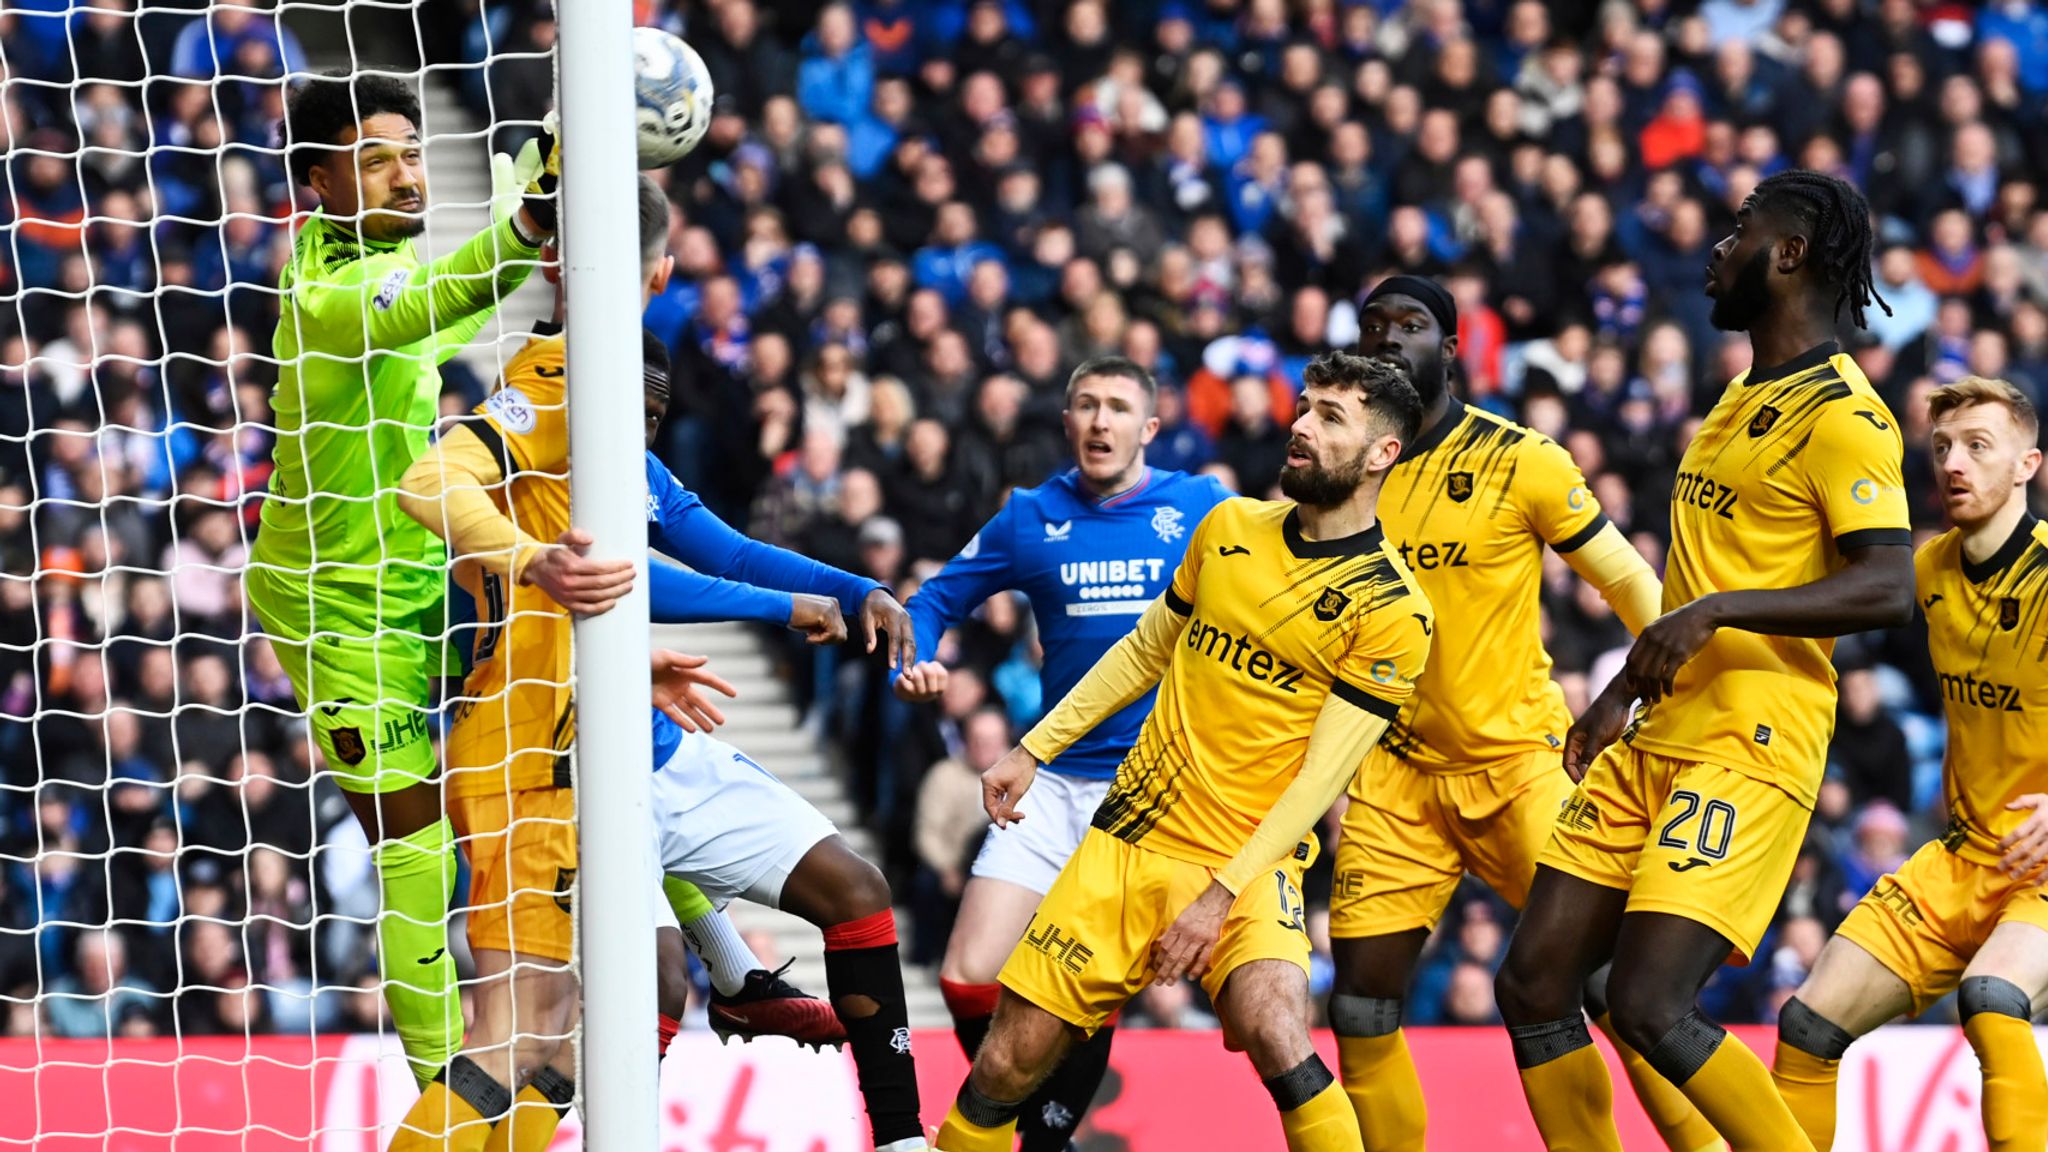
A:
{"x":1733,"y":1089}
{"x":2015,"y":1087}
{"x":1676,"y":1120}
{"x":1323,"y":1123}
{"x":530,"y":1127}
{"x":1808,"y":1084}
{"x":441,"y":1121}
{"x":1379,"y":1077}
{"x":1573,"y":1102}
{"x":959,"y":1134}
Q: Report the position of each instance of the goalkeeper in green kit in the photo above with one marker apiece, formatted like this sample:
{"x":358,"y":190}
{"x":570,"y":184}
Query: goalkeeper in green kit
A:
{"x":347,"y":586}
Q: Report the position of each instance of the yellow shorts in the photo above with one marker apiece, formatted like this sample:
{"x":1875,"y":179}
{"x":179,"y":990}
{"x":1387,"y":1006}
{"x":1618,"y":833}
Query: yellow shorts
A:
{"x":1089,"y":947}
{"x":1409,"y":836}
{"x":1926,"y":921}
{"x":1685,"y":838}
{"x":522,"y":869}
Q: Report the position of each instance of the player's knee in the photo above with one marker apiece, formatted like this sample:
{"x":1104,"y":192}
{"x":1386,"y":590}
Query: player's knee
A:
{"x":1644,"y":1011}
{"x":1801,"y":1027}
{"x":1995,"y":994}
{"x":1530,"y":993}
{"x":861,"y":891}
{"x":1273,"y":1038}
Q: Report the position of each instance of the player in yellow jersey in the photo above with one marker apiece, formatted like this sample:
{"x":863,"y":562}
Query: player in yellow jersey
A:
{"x":1289,"y":637}
{"x":1968,"y":912}
{"x":1467,"y":779}
{"x":1788,"y":529}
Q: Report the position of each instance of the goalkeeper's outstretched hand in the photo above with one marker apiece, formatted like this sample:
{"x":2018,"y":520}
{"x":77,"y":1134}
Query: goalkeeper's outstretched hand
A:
{"x":679,"y":681}
{"x":528,"y":181}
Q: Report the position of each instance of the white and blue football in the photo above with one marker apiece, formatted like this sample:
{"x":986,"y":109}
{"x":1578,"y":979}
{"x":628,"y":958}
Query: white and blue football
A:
{"x":671,"y":96}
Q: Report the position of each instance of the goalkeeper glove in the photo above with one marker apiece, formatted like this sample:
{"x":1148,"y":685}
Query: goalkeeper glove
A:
{"x":529,"y":180}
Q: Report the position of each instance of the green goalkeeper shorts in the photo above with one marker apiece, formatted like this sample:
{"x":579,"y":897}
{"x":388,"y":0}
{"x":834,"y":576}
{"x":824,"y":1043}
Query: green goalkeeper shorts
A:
{"x":365,"y":688}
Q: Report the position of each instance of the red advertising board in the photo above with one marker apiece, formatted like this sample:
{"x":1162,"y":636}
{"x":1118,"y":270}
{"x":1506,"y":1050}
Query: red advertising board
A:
{"x":1904,"y":1089}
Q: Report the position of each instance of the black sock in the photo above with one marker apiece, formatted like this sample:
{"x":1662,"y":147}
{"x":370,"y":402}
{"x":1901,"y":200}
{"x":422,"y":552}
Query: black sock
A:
{"x":860,"y":972}
{"x":1054,"y":1112}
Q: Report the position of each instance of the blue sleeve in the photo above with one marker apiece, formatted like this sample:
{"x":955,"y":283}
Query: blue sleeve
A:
{"x":981,"y":570}
{"x":684,"y":528}
{"x":679,"y":596}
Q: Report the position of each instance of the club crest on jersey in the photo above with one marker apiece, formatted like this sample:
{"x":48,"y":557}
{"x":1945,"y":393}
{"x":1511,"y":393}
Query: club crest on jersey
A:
{"x":1166,"y":521}
{"x":1764,"y":419}
{"x":348,"y":745}
{"x":1331,"y":604}
{"x":1458,"y":486}
{"x":2009,"y":613}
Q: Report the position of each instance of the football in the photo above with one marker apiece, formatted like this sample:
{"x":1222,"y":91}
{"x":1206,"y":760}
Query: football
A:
{"x":671,"y":97}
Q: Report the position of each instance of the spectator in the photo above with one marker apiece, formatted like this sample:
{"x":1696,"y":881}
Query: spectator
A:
{"x":99,"y":996}
{"x":950,"y":825}
{"x":836,"y":80}
{"x":1869,"y":749}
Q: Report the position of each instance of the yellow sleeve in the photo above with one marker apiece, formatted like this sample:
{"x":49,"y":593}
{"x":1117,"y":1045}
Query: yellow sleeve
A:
{"x":447,"y":489}
{"x":1127,"y":671}
{"x":1611,"y":564}
{"x":1337,"y":745}
{"x":1377,"y":673}
{"x":1558,"y":505}
{"x":1855,"y":469}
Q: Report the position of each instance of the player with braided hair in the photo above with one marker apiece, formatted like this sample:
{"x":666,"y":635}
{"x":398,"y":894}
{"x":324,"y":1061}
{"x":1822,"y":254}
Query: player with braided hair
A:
{"x":1789,"y":528}
{"x":1840,"y":220}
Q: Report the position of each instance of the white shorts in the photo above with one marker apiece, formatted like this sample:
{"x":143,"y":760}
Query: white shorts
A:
{"x":1031,"y":852}
{"x":725,"y":824}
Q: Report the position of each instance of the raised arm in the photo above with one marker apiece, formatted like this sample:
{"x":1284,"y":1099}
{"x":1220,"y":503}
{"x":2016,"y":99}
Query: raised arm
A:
{"x":382,"y":302}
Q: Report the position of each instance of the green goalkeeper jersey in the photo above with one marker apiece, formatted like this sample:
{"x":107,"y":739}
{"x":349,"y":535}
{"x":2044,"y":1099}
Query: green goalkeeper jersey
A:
{"x":361,"y":331}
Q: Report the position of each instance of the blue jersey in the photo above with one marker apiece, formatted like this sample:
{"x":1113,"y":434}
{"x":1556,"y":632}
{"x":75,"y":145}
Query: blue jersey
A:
{"x":734,"y":577}
{"x":1090,"y":570}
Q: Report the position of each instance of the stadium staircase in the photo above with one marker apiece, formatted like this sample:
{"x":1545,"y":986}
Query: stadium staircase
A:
{"x":764,"y":722}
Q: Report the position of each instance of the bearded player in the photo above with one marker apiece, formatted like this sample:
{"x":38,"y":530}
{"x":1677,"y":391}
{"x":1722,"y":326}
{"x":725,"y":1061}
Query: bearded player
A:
{"x":1467,"y":778}
{"x":1091,"y":549}
{"x":347,"y":587}
{"x":1789,"y":528}
{"x":1289,"y":637}
{"x":1968,"y":912}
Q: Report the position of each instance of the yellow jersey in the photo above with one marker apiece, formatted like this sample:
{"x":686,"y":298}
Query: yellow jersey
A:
{"x":1275,"y":625}
{"x":1989,"y":643}
{"x":517,"y":720}
{"x":1470,"y":507}
{"x":1795,"y":465}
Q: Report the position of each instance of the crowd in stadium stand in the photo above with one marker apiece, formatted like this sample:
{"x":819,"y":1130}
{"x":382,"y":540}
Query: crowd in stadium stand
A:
{"x":908,"y":222}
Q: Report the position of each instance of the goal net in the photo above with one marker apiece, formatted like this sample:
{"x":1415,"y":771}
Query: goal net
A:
{"x":219,"y":636}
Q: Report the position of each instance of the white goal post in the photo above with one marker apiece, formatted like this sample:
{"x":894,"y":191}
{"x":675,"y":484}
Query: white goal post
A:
{"x":601,"y":256}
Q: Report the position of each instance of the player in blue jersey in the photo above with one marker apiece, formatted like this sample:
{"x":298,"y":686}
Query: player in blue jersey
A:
{"x":1090,"y":548}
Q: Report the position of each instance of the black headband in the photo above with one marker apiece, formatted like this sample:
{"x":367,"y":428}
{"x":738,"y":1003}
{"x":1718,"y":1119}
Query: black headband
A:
{"x":1425,"y":291}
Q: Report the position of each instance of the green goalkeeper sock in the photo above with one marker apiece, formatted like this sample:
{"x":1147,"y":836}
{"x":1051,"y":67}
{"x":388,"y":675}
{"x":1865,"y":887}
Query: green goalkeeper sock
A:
{"x":688,"y":900}
{"x":711,"y":936}
{"x":418,"y":874}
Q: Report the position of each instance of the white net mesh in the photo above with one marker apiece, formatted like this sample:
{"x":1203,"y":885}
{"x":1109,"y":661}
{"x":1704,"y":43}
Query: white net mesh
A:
{"x":189,"y":909}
